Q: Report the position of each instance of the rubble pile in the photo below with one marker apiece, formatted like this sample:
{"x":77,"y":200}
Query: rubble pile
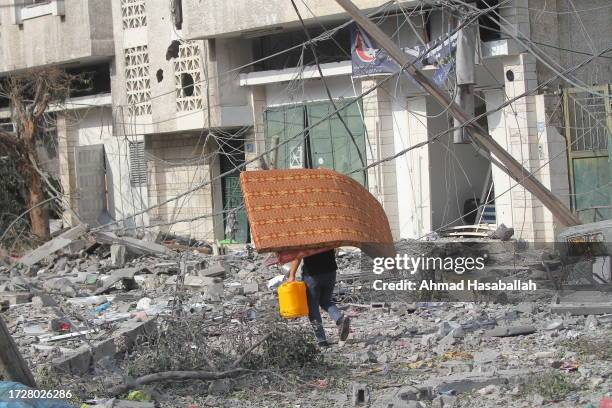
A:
{"x":99,"y":314}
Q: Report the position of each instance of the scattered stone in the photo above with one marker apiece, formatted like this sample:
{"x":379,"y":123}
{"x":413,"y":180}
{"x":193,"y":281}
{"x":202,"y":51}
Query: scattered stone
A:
{"x":502,"y":233}
{"x":43,"y":300}
{"x":554,"y":325}
{"x":591,"y":322}
{"x":510,"y":331}
{"x":489,"y":389}
{"x":15,"y":298}
{"x":118,"y":253}
{"x":250,"y":288}
{"x":359,"y":394}
{"x":217,"y":270}
{"x":220,"y":387}
{"x":62,"y":286}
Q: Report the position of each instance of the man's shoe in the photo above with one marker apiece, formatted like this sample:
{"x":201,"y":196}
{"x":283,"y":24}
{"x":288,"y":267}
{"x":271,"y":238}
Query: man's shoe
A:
{"x":323,"y":344}
{"x":344,"y":327}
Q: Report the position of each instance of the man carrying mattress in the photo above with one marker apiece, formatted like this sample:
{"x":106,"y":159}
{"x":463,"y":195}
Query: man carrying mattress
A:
{"x":319,"y":275}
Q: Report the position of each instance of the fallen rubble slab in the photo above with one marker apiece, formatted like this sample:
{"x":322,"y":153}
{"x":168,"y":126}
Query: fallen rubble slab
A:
{"x":57,"y":243}
{"x":582,"y":309}
{"x":81,"y":360}
{"x":126,"y":275}
{"x":133,"y":245}
{"x":15,"y":298}
{"x":510,"y":331}
{"x":464,"y":382}
{"x":213,"y":271}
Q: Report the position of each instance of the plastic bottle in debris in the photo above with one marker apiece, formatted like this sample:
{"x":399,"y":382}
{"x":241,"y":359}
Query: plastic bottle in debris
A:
{"x":103,"y":307}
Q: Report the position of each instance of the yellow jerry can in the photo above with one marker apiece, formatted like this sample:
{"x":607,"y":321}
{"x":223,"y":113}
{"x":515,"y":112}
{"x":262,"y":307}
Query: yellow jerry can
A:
{"x":292,"y":300}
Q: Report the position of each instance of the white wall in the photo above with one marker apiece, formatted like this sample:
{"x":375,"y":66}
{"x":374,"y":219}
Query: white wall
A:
{"x":312,"y":90}
{"x":93,"y":127}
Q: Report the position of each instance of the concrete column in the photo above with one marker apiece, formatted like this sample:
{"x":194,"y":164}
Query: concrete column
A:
{"x":67,"y":140}
{"x":501,"y":181}
{"x":255,"y":143}
{"x":382,"y":180}
{"x":516,"y":14}
{"x":553,"y":162}
{"x":522,"y":136}
{"x":412,"y":169}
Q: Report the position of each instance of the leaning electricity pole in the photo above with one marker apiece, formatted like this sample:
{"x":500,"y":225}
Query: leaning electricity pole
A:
{"x":514,"y":169}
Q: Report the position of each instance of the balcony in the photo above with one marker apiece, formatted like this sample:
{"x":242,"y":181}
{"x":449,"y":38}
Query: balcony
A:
{"x":254,"y":18}
{"x":37,"y":33}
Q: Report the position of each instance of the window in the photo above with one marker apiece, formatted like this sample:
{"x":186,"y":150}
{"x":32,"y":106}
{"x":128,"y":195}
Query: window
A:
{"x":138,"y":164}
{"x":37,"y":8}
{"x":327,"y":144}
{"x":489,"y":22}
{"x":138,"y":82}
{"x":188,"y":77}
{"x":133,"y":13}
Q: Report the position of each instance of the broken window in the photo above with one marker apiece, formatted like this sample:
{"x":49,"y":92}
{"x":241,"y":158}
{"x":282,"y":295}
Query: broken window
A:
{"x":489,"y":22}
{"x":138,"y":164}
{"x":188,"y":77}
{"x":187,"y":84}
{"x":334,"y":49}
{"x":92,"y":80}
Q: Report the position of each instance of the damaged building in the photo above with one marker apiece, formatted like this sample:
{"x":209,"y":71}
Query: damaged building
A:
{"x":184,"y":98}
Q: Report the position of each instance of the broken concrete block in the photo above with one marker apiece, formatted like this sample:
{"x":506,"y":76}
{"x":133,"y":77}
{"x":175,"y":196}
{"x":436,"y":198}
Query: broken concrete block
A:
{"x":117,"y":253}
{"x":75,"y":247}
{"x":464,"y":382}
{"x":582,"y":309}
{"x":250,"y":288}
{"x":132,"y":404}
{"x":214,"y":292}
{"x":125,"y":275}
{"x":80,"y":361}
{"x":194,"y":281}
{"x":359,"y":394}
{"x":217,"y":270}
{"x":486,"y":356}
{"x":130,"y":330}
{"x":509,"y":331}
{"x":60,"y":285}
{"x":57,"y":243}
{"x":77,"y":362}
{"x":220,"y":386}
{"x":133,"y":245}
{"x":591,"y":323}
{"x":169,"y":268}
{"x":15,"y":298}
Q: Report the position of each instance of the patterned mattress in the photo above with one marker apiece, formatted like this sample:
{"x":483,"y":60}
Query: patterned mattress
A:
{"x":297,"y":209}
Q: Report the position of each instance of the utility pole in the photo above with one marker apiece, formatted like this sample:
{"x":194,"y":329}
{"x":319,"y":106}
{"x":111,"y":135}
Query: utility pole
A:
{"x":512,"y":166}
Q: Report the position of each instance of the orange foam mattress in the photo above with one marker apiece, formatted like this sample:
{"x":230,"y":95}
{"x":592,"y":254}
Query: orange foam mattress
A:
{"x":297,"y":209}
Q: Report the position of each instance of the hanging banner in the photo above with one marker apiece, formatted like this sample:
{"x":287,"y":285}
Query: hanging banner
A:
{"x":367,"y":60}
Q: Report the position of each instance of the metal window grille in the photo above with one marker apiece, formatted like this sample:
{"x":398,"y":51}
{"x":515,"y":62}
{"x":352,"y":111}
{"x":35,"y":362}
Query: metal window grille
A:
{"x":138,"y":164}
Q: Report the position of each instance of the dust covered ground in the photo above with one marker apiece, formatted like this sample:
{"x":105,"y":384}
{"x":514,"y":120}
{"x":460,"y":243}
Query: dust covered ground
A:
{"x":97,"y":325}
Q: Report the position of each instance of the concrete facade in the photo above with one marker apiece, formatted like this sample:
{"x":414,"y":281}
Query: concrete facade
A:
{"x":56,"y":32}
{"x":175,"y":88}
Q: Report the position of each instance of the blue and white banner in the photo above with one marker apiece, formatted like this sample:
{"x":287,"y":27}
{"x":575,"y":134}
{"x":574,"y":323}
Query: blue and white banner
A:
{"x":367,"y":60}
